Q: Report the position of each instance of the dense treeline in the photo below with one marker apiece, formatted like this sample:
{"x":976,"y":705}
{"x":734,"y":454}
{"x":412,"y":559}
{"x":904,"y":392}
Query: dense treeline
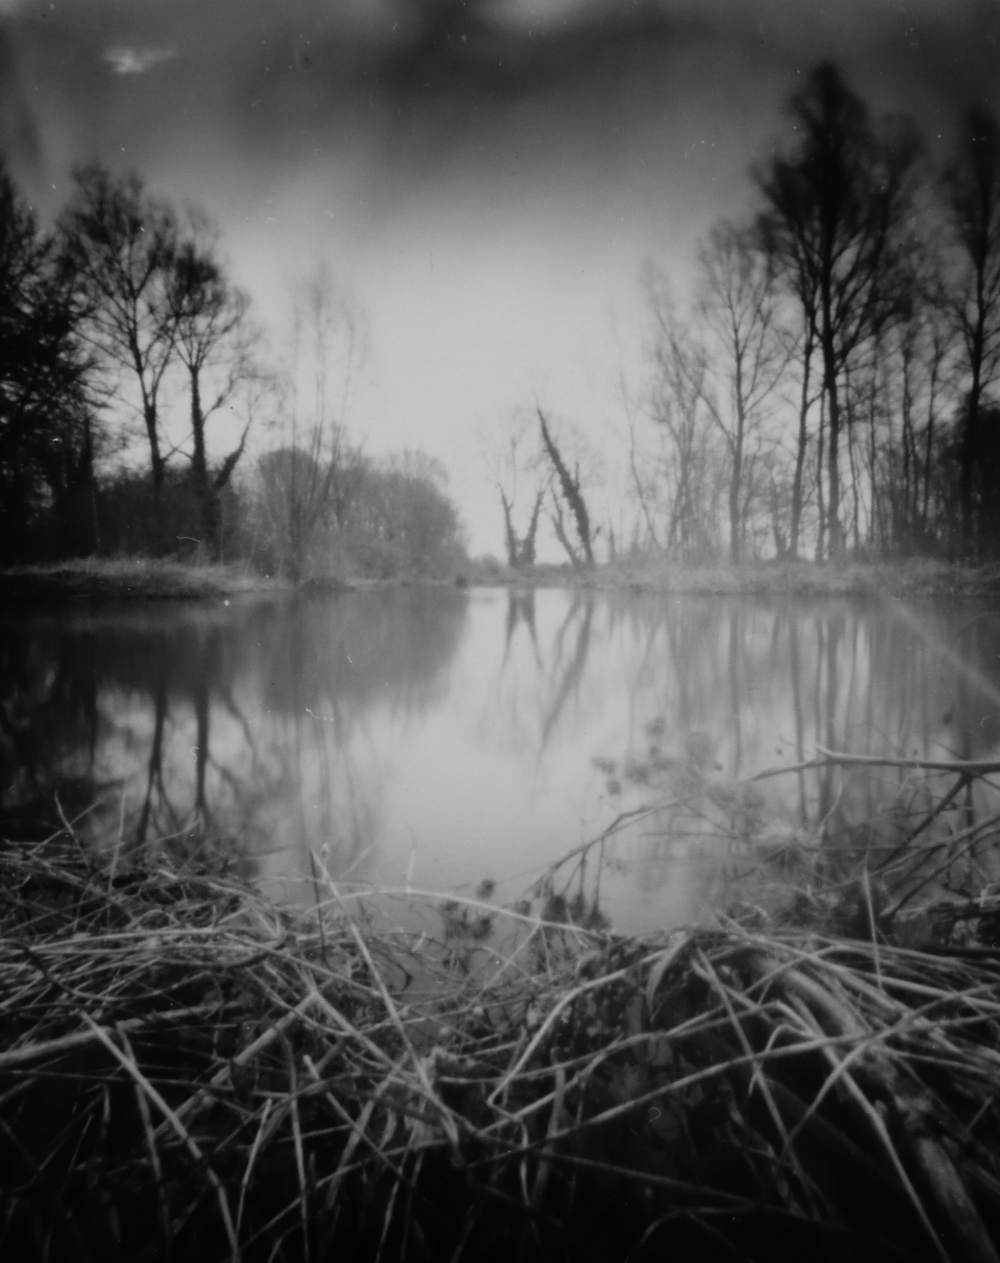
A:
{"x":831,"y":386}
{"x":47,"y":387}
{"x":131,"y":375}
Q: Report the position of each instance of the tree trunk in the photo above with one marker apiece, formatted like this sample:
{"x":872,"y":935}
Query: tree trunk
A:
{"x":560,"y":529}
{"x":735,"y":483}
{"x":929,"y":445}
{"x":570,"y":487}
{"x":800,"y":454}
{"x":969,"y":443}
{"x":907,"y":529}
{"x":836,"y":543}
{"x":208,"y":507}
{"x":526,"y":553}
{"x":156,"y":462}
{"x":510,"y":539}
{"x":855,"y":490}
{"x":821,"y":520}
{"x":876,"y":521}
{"x":521,"y":552}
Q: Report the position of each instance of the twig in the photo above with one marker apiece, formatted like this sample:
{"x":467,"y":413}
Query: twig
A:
{"x":186,"y":1139}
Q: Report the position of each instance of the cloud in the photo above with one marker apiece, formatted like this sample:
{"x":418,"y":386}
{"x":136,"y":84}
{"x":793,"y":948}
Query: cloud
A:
{"x":135,"y":61}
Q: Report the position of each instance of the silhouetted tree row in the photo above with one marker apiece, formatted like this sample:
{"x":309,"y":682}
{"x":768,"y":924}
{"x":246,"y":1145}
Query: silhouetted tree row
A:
{"x":101,"y":315}
{"x":47,"y":389}
{"x":832,"y":385}
{"x":123,"y":319}
{"x":837,"y":374}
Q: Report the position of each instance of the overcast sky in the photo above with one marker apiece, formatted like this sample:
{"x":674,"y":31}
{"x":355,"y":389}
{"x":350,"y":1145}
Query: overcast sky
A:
{"x":488,"y":176}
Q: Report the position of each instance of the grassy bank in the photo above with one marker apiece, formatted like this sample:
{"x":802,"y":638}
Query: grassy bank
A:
{"x":914,"y":577}
{"x":143,"y":578}
{"x":129,"y":579}
{"x":189,"y":1072}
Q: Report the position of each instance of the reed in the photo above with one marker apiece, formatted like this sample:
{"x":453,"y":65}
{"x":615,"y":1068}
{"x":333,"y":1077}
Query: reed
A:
{"x":190,"y":1072}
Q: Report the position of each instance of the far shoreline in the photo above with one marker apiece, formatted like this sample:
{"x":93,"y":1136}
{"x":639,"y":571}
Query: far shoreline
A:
{"x":123,"y":580}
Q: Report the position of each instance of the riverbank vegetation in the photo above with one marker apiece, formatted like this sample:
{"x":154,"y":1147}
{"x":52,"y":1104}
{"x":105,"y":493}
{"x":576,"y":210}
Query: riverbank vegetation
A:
{"x":190,"y":1069}
{"x":826,"y":385}
{"x":827,"y":389}
{"x":132,"y":379}
{"x":910,"y":577}
{"x":125,"y":578}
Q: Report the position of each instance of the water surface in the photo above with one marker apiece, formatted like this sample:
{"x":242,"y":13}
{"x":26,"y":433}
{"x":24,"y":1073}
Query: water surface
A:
{"x":436,"y":737}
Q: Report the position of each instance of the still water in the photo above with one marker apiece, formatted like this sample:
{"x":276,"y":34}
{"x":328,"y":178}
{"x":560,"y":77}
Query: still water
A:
{"x":434,"y":738}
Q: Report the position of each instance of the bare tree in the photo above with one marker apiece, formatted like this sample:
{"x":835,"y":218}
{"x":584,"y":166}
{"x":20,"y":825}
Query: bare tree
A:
{"x":738,"y":307}
{"x":835,"y":208}
{"x":513,"y":459}
{"x":123,"y":244}
{"x":972,"y":195}
{"x":641,"y":474}
{"x":919,"y":368}
{"x":572,"y":494}
{"x":218,"y":347}
{"x":800,"y":338}
{"x":939,"y":361}
{"x":689,"y":466}
{"x":312,"y":480}
{"x":807,"y":347}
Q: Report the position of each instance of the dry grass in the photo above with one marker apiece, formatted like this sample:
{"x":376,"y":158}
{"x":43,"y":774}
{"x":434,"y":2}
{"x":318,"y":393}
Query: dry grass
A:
{"x":912,"y":577}
{"x":901,"y":577}
{"x":130,"y":578}
{"x":188,"y":1072}
{"x":145,"y":578}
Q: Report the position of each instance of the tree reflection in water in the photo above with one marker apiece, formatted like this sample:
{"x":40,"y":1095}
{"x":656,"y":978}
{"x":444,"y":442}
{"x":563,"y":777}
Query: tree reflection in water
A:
{"x":224,"y":726}
{"x":453,"y":734}
{"x":771,"y":687}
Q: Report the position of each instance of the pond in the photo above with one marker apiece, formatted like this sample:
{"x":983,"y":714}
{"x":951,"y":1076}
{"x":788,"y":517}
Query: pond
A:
{"x":435,"y":738}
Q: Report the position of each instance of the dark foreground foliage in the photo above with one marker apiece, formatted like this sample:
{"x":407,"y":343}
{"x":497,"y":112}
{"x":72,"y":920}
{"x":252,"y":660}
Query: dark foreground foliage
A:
{"x":189,"y":1072}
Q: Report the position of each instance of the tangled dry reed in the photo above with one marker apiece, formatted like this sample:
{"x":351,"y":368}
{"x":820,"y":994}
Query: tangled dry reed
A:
{"x":188,"y":1072}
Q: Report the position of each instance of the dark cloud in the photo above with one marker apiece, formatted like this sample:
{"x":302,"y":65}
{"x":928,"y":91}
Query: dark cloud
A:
{"x":279,"y":76}
{"x":19,"y":135}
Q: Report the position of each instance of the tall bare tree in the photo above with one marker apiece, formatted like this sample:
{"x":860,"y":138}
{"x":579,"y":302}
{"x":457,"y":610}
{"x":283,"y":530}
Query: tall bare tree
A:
{"x":746,"y":359}
{"x":689,"y":466}
{"x":835,"y":208}
{"x":218,"y":348}
{"x":571,"y":489}
{"x":972,"y":196}
{"x":514,"y":463}
{"x":919,"y":366}
{"x":642,"y":476}
{"x":311,"y":481}
{"x":799,"y":332}
{"x":123,"y":244}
